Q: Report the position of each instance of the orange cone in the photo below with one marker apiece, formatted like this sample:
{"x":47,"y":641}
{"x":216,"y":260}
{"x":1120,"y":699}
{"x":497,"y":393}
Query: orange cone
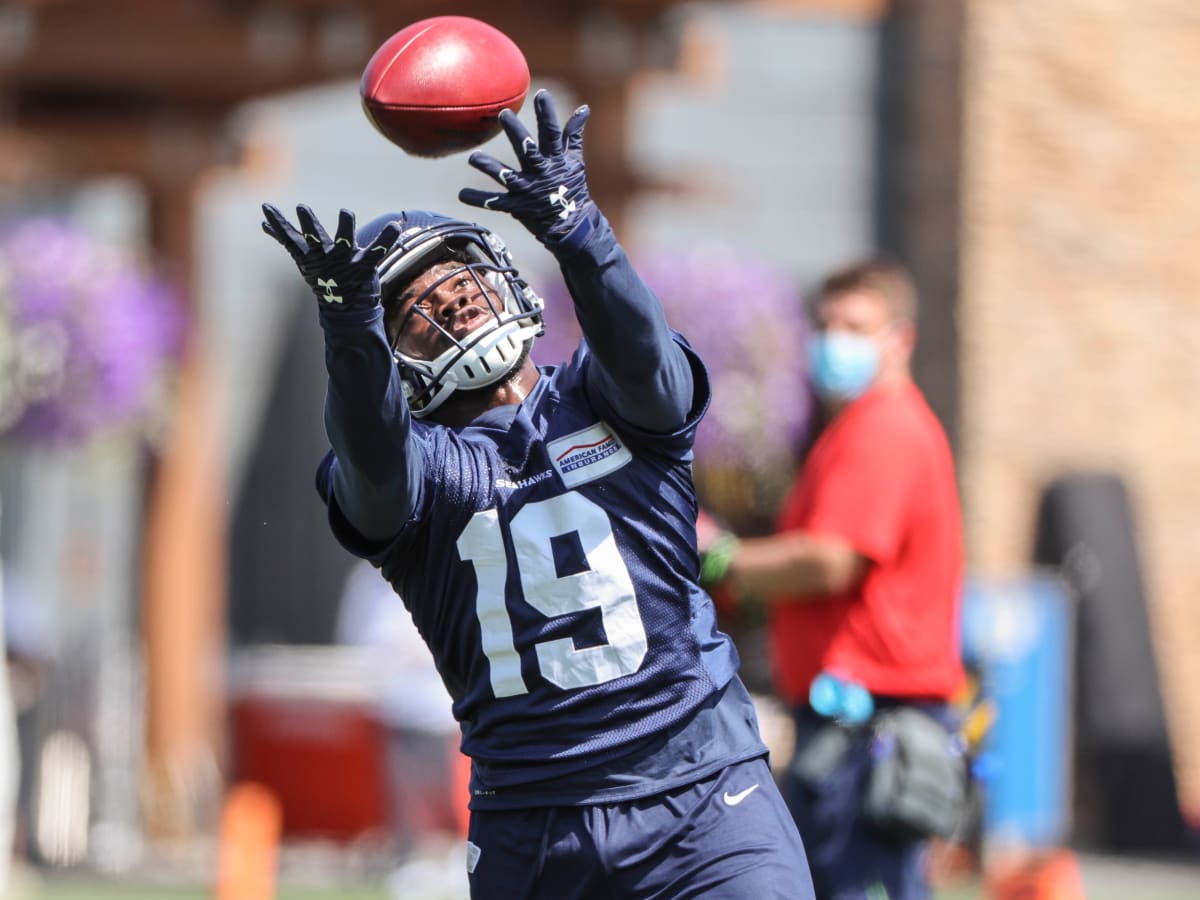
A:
{"x":1051,"y":876}
{"x":460,"y":787}
{"x":251,"y":825}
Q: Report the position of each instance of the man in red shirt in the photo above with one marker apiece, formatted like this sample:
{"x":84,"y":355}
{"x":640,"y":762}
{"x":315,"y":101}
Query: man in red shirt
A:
{"x":862,"y":577}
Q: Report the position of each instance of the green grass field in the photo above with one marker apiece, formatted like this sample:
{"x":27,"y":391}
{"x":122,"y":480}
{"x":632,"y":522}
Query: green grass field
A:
{"x":77,"y":888}
{"x":1105,"y":878}
{"x":97,"y":890}
{"x":74,"y":889}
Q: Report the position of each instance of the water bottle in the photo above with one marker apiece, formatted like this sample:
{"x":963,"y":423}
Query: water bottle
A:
{"x":841,"y":699}
{"x":857,"y":703}
{"x":825,"y":695}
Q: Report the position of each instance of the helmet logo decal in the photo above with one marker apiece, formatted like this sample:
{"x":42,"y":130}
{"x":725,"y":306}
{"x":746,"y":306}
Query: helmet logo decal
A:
{"x":497,"y":246}
{"x":329,"y":284}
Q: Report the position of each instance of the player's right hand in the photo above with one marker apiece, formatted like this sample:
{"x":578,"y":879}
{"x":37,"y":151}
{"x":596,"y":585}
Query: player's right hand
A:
{"x":340,"y":273}
{"x":549,"y":194}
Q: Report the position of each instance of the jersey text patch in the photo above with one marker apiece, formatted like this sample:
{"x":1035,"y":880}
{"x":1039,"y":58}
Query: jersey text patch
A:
{"x":588,"y":454}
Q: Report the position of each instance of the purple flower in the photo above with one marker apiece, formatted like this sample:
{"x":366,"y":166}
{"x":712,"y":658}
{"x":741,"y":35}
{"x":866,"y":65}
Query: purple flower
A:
{"x":747,"y":322}
{"x":87,"y":335}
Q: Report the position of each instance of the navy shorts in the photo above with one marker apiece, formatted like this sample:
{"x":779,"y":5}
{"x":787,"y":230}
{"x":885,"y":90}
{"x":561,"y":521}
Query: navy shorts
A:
{"x":728,"y":837}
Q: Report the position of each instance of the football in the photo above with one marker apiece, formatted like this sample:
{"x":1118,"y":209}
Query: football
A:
{"x":438,"y":86}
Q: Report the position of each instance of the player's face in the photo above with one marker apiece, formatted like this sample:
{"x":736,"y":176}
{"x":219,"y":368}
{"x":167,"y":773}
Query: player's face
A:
{"x":445,"y":301}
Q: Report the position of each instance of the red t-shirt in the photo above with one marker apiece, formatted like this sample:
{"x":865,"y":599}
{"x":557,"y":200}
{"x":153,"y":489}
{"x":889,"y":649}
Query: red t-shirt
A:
{"x":881,"y":476}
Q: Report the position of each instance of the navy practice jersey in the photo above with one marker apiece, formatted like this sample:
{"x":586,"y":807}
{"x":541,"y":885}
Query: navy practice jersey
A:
{"x":550,"y":566}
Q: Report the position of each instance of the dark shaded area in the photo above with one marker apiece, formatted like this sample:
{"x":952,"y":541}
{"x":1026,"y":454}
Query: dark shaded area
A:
{"x":1126,"y":797}
{"x":918,"y":155}
{"x":286,"y":569}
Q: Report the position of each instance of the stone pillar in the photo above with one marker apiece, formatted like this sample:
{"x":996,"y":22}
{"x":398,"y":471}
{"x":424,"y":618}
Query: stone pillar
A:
{"x":919,"y":101}
{"x":1079,"y":332}
{"x":185,"y":569}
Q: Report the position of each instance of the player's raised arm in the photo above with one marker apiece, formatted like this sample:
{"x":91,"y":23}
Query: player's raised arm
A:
{"x":377,"y":468}
{"x":641,"y":369}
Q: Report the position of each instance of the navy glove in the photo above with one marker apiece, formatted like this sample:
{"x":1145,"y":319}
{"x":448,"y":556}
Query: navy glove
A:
{"x":341,"y":274}
{"x":549,"y":195}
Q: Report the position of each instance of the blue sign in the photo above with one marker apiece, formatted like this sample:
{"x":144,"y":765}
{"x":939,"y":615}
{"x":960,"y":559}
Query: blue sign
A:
{"x":1018,"y":635}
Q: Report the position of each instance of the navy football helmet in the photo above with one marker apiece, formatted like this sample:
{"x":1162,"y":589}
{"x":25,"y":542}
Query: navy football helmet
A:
{"x":490,"y":352}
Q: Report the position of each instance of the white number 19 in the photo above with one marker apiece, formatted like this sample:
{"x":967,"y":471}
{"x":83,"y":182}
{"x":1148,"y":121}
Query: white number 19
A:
{"x":605,"y":585}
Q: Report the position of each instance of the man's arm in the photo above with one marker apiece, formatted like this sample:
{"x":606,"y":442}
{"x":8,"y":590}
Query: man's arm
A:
{"x":637,"y":364}
{"x":795,"y":565}
{"x":639,"y":367}
{"x":379,"y":468}
{"x":377,"y":475}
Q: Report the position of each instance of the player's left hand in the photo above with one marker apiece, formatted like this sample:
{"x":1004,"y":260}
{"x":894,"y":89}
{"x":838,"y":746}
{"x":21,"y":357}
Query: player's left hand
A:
{"x":549,"y":195}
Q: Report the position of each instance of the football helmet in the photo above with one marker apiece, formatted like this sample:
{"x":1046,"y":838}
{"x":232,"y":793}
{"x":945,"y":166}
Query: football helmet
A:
{"x":488,"y":353}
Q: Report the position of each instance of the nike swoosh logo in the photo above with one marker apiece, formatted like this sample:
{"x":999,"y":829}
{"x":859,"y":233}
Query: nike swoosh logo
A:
{"x":735,"y":799}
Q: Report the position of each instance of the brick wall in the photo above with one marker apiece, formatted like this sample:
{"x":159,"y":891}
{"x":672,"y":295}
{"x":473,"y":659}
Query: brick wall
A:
{"x":1079,"y":317}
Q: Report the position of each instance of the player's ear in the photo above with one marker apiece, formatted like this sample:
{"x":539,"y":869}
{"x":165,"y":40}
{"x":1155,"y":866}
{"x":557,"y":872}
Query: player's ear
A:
{"x":905,"y":337}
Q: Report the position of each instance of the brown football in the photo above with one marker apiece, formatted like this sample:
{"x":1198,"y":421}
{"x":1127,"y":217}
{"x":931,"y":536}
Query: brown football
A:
{"x":437,"y":86}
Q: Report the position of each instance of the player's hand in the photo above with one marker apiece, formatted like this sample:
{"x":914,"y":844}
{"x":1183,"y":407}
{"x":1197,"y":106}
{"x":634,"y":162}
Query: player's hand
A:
{"x":549,"y":194}
{"x":341,"y":274}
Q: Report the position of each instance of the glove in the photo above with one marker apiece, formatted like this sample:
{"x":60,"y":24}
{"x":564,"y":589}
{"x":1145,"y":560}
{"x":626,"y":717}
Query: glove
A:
{"x":341,"y":274}
{"x":717,"y":548}
{"x":549,"y":196}
{"x":716,"y":558}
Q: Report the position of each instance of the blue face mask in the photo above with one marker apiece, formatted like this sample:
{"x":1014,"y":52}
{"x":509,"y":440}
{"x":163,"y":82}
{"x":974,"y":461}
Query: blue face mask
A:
{"x":841,"y":365}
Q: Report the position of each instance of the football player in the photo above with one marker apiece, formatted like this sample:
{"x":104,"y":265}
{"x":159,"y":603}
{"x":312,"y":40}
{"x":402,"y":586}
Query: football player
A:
{"x":539,"y":525}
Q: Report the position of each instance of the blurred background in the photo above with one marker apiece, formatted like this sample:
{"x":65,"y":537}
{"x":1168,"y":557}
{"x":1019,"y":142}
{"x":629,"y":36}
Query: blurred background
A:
{"x":207,"y":697}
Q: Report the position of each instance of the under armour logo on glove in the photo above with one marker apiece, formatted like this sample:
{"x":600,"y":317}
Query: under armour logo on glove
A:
{"x":329,"y":284}
{"x":551,"y":168}
{"x":336,"y":269}
{"x":559,"y":199}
